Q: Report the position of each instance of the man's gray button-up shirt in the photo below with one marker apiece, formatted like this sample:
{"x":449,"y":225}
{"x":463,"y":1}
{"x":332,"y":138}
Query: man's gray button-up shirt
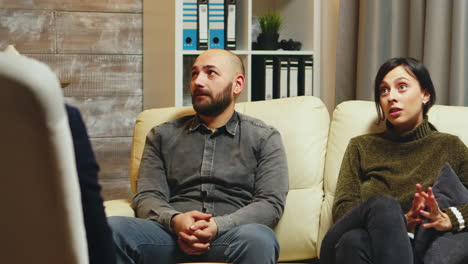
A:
{"x":238,"y":172}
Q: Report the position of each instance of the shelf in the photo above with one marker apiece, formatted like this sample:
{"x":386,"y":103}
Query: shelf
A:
{"x":165,"y":60}
{"x":257,"y":52}
{"x":282,"y":52}
{"x":198,"y":52}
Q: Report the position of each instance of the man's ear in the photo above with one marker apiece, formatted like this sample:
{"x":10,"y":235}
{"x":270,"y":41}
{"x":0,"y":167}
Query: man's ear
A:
{"x":238,"y":84}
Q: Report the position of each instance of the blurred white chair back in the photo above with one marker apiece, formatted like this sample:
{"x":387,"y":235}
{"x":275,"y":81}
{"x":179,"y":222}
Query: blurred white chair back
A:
{"x":40,"y":202}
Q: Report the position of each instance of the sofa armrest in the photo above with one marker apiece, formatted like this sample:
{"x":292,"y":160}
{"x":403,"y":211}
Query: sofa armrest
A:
{"x":119,"y":207}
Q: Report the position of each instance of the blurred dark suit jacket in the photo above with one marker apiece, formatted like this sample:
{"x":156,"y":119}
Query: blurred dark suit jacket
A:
{"x":99,"y":236}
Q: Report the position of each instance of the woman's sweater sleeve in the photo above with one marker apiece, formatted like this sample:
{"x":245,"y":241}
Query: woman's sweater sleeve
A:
{"x":348,"y":194}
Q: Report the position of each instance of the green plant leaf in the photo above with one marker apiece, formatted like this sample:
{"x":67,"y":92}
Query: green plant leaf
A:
{"x":270,"y":21}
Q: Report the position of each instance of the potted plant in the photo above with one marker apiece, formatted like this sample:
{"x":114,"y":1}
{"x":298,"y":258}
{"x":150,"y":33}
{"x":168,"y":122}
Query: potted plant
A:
{"x":270,"y":23}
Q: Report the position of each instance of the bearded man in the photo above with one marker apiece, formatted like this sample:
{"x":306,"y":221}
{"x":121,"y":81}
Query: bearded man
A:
{"x":211,"y":185}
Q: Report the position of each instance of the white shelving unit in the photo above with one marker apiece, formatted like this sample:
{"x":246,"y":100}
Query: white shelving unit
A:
{"x":163,"y":56}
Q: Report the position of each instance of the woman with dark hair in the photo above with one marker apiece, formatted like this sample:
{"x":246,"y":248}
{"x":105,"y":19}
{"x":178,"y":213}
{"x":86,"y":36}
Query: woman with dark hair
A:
{"x":376,"y":208}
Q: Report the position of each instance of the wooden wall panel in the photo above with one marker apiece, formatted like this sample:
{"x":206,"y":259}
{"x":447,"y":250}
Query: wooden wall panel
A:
{"x":113,"y":189}
{"x":76,"y":5}
{"x":29,"y":4}
{"x":113,"y":157}
{"x":106,"y":33}
{"x":108,"y":116}
{"x":100,"y":52}
{"x":102,"y":5}
{"x":31,"y":31}
{"x":97,"y":75}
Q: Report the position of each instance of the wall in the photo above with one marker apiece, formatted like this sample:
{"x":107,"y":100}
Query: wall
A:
{"x":97,"y":46}
{"x":330,"y":12}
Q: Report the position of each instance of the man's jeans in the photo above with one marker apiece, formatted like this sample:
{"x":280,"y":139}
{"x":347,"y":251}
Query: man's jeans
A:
{"x":145,"y":241}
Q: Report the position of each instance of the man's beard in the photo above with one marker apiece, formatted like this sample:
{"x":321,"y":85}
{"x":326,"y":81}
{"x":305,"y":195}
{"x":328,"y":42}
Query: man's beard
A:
{"x":212,"y":106}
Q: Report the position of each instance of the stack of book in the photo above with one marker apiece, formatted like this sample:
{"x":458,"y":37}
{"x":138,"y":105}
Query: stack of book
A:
{"x":281,"y":76}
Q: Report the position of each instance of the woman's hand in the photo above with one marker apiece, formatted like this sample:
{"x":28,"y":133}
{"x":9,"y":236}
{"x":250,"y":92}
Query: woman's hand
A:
{"x":413,"y":215}
{"x":437,"y":219}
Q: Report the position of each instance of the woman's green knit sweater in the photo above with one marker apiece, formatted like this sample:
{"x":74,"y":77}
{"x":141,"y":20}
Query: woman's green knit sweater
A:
{"x":392,"y":164}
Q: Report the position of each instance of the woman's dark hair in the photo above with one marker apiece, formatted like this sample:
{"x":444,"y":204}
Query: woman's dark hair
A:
{"x":416,"y":69}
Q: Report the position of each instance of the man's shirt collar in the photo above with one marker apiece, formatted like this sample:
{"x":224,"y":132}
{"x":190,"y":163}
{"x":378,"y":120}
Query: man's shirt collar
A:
{"x":230,"y":127}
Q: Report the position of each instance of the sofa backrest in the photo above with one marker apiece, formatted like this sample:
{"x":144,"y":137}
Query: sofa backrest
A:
{"x":303,"y":123}
{"x":354,"y":118}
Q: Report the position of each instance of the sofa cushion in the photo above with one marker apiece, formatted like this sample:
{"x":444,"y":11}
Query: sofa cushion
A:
{"x":350,"y":119}
{"x":450,"y":119}
{"x":120,"y":207}
{"x":448,"y":189}
{"x":303,"y":123}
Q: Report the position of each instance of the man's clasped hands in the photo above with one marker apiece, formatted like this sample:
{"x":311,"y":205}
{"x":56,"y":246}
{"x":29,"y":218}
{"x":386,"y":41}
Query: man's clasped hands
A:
{"x":195,"y":230}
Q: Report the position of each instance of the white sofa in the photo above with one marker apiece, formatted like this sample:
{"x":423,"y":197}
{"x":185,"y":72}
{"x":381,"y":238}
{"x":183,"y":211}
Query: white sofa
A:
{"x":314,"y":146}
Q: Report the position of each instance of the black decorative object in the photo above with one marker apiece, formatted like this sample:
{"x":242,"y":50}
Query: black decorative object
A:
{"x":268,"y":41}
{"x":290,"y":44}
